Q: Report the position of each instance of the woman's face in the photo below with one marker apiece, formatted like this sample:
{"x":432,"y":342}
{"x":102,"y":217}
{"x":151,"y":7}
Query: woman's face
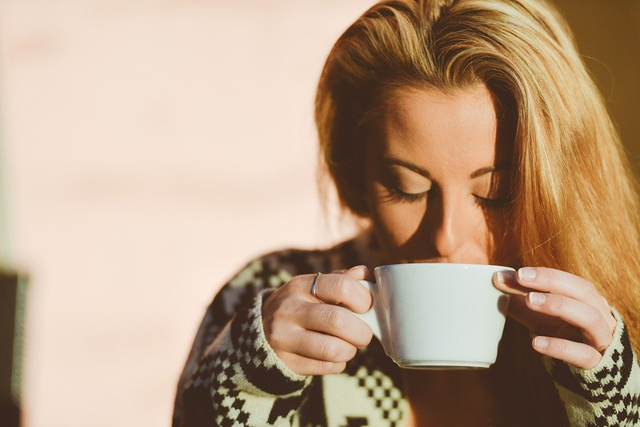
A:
{"x":438,"y":179}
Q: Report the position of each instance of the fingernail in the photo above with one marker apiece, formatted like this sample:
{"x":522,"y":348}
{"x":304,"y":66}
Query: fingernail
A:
{"x":527,"y":274}
{"x":506,"y":277}
{"x":541,"y":342}
{"x":500,"y":276}
{"x":536,"y":298}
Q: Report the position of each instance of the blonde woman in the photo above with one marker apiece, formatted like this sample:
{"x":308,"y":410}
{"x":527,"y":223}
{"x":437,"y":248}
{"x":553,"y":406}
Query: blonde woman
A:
{"x":463,"y":131}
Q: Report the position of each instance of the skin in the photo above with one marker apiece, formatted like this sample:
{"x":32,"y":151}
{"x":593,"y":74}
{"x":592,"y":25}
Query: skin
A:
{"x":438,"y":173}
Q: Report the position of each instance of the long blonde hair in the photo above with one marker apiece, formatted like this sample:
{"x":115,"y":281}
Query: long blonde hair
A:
{"x":575,"y":204}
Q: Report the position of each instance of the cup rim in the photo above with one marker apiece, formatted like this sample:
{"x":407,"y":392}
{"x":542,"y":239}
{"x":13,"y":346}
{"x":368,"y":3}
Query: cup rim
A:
{"x":445,"y":265}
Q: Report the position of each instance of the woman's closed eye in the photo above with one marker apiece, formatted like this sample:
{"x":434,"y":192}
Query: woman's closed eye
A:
{"x":491,"y":203}
{"x":396,"y":194}
{"x":406,"y":189}
{"x":494,"y":192}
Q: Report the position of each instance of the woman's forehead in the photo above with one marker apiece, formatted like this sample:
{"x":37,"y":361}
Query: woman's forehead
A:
{"x":460,"y":122}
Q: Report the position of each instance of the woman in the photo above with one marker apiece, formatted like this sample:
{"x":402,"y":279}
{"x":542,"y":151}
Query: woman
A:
{"x":463,"y":131}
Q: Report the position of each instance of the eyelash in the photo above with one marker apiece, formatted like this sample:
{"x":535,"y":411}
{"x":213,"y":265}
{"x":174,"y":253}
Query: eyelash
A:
{"x":490,"y":203}
{"x":400,"y":196}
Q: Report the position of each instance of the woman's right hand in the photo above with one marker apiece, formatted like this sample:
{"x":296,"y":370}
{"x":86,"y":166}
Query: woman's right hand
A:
{"x":318,"y":335}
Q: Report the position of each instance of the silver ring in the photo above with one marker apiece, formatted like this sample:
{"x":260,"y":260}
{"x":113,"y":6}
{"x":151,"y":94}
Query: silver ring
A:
{"x":313,"y":286}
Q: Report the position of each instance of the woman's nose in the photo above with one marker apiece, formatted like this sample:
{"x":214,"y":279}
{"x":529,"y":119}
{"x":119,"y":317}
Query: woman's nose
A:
{"x":449,"y":223}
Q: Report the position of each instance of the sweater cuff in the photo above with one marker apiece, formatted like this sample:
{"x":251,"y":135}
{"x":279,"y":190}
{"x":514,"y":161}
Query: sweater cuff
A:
{"x":609,"y":393}
{"x":260,"y":365}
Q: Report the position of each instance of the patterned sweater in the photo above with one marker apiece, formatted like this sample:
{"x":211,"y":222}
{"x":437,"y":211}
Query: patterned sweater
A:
{"x":233,"y":378}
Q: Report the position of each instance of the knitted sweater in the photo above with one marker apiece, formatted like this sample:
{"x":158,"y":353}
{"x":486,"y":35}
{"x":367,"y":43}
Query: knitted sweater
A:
{"x":234,"y":378}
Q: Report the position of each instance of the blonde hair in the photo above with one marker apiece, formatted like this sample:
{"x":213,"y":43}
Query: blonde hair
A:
{"x":575,"y":204}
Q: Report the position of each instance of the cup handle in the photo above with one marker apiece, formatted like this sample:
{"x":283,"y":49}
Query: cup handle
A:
{"x":371,"y":317}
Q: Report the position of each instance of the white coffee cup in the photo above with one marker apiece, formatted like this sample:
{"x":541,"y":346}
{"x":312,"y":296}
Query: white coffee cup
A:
{"x":437,"y":316}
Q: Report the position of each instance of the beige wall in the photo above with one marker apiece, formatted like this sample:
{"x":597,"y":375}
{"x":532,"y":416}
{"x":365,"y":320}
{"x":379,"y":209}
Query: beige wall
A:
{"x":151,"y":148}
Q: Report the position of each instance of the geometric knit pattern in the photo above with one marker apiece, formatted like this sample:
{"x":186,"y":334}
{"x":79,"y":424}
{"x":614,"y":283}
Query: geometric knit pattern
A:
{"x":606,"y":395}
{"x":232,"y":376}
{"x":378,"y":378}
{"x":366,"y":399}
{"x":247,"y":383}
{"x":388,"y":398}
{"x":367,"y":393}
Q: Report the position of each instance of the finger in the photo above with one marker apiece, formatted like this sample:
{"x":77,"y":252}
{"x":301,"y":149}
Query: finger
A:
{"x":578,"y":354}
{"x":317,"y":346}
{"x":507,"y":282}
{"x":306,"y":366}
{"x":337,"y":321}
{"x":538,"y":323}
{"x":562,"y":283}
{"x":553,"y":281}
{"x":359,"y":272}
{"x":587,"y":318}
{"x":611,"y":321}
{"x":343,"y":289}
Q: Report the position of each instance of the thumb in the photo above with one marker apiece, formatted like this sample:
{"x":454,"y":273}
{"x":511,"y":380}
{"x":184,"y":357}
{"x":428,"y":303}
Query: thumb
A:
{"x":359,"y":272}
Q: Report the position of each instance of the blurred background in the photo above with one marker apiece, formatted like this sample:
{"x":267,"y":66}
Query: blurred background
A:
{"x":148,"y":149}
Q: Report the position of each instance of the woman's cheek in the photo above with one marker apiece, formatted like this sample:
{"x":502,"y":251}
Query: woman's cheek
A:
{"x":504,"y":249}
{"x":396,"y":224}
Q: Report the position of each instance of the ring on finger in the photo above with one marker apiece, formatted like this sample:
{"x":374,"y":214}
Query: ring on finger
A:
{"x":314,"y":284}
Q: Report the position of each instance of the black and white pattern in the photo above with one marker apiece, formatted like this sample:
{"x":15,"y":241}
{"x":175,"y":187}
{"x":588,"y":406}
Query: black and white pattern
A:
{"x":611,"y":390}
{"x":387,"y":397}
{"x":244,"y":372}
{"x":233,"y":378}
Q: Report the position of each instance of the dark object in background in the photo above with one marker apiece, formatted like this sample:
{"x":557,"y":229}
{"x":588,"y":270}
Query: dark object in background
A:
{"x":12,"y":308}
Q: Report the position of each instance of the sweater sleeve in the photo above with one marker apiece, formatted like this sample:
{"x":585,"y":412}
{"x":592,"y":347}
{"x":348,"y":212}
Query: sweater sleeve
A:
{"x":233,"y":376}
{"x":606,"y":395}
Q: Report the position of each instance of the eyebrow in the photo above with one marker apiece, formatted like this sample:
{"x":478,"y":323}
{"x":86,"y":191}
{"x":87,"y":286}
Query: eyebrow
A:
{"x":410,"y":166}
{"x":488,"y":169}
{"x":421,"y":171}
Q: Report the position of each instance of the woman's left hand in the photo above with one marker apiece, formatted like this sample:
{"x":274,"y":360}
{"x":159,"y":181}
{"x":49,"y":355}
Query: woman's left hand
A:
{"x":571,"y":320}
